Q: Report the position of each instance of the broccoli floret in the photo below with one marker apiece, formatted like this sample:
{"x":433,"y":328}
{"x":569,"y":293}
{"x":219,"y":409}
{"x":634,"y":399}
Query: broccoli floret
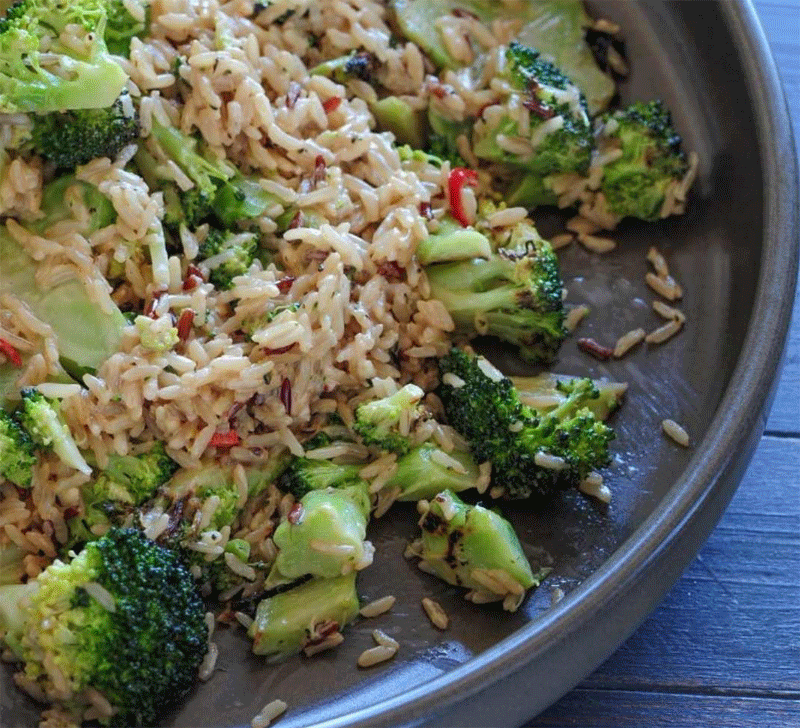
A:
{"x":242,"y":198}
{"x":41,"y":73}
{"x":54,"y":207}
{"x":105,"y":504}
{"x":532,"y":454}
{"x":305,"y":475}
{"x":378,"y":422}
{"x":476,"y":548}
{"x":122,"y":617}
{"x":361,"y":66}
{"x":515,"y":295}
{"x":39,"y":416}
{"x":122,"y":27}
{"x":441,"y":147}
{"x":141,"y":475}
{"x":76,"y":137}
{"x":426,"y":470}
{"x":17,"y":452}
{"x":236,"y":253}
{"x":156,"y":334}
{"x":635,"y":184}
{"x":560,"y":136}
{"x":548,"y":388}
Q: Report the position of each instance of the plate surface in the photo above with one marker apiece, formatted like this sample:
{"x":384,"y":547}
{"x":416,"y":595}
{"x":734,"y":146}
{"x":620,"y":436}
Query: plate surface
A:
{"x":735,"y":254}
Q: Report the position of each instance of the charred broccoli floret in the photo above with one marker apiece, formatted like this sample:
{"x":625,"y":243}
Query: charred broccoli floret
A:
{"x":378,"y":422}
{"x":361,"y":66}
{"x":76,"y":137}
{"x":232,"y":255}
{"x":17,"y":452}
{"x":635,"y":184}
{"x":122,"y":617}
{"x":514,"y":295}
{"x":532,"y":454}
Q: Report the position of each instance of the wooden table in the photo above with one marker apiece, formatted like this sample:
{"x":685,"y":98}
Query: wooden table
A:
{"x":724,"y":647}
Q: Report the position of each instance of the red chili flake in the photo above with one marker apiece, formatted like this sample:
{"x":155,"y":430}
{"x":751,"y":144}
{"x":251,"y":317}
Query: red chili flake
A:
{"x":438,"y":90}
{"x":286,"y":395}
{"x":320,"y":168}
{"x":461,"y":13}
{"x":459,"y":177}
{"x":194,"y":277}
{"x":10,"y":353}
{"x":285,"y":284}
{"x":70,"y":512}
{"x":425,"y":210}
{"x":295,"y":515}
{"x":330,"y":105}
{"x":224,"y":439}
{"x":151,"y":308}
{"x":390,"y":270}
{"x":598,"y":351}
{"x":185,"y":324}
{"x":279,"y":350}
{"x":292,"y":94}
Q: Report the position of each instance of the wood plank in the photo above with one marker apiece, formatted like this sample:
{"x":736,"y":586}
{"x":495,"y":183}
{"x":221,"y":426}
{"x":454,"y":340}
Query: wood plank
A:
{"x":732,"y":622}
{"x":603,"y":709}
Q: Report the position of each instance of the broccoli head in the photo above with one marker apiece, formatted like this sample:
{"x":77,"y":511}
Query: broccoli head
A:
{"x":559,"y":138}
{"x":380,"y":421}
{"x":514,"y":295}
{"x":306,"y":474}
{"x":141,"y":475}
{"x":41,"y":420}
{"x":76,"y":137}
{"x":232,"y":255}
{"x":39,"y":72}
{"x":122,"y":617}
{"x":17,"y":452}
{"x":635,"y":183}
{"x":532,"y":454}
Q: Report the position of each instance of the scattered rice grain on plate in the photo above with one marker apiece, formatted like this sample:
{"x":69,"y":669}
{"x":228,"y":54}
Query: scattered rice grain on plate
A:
{"x":378,"y":607}
{"x":575,"y":316}
{"x":627,"y":341}
{"x":675,"y":432}
{"x":664,"y":333}
{"x":593,"y":485}
{"x":597,"y":243}
{"x":666,"y":287}
{"x":668,"y":312}
{"x":436,"y":613}
{"x":268,"y":713}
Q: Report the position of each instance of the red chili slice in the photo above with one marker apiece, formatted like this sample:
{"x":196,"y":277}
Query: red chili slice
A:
{"x":10,"y":353}
{"x":185,"y":324}
{"x":458,"y":179}
{"x":330,"y":105}
{"x":285,"y":284}
{"x":224,"y":439}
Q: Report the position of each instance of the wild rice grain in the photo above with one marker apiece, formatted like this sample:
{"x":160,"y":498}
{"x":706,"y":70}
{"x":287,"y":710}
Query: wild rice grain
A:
{"x":675,"y":432}
{"x":268,"y":713}
{"x":436,"y":614}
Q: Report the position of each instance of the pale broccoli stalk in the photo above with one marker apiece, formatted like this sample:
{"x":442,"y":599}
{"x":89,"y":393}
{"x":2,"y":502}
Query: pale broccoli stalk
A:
{"x":289,"y":622}
{"x":476,"y":548}
{"x":306,"y":474}
{"x":40,"y":418}
{"x":426,"y":470}
{"x":451,"y":241}
{"x":324,"y":535}
{"x":17,"y":452}
{"x":378,"y":421}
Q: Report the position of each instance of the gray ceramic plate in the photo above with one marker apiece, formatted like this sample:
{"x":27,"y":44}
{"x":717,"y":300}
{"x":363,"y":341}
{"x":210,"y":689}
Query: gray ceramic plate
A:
{"x":736,"y":253}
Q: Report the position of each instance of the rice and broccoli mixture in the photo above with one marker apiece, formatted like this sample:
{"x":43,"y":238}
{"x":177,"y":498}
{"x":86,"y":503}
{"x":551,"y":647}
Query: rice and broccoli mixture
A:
{"x":244,"y":246}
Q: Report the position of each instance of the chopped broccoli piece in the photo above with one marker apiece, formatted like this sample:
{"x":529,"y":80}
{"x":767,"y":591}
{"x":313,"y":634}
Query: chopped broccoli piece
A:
{"x":76,"y":137}
{"x":422,"y":474}
{"x":361,"y":66}
{"x":122,"y":27}
{"x":17,"y":452}
{"x":305,"y":475}
{"x":242,"y":198}
{"x":560,"y":136}
{"x":476,"y":548}
{"x":515,"y":295}
{"x":141,"y":475}
{"x":54,"y":208}
{"x":453,"y":242}
{"x":326,"y":535}
{"x":234,"y":253}
{"x":156,"y":334}
{"x":533,"y":391}
{"x":635,"y":184}
{"x":288,"y":622}
{"x":532,"y":454}
{"x":397,"y":116}
{"x":378,"y":422}
{"x":444,"y":134}
{"x":106,"y":620}
{"x":41,"y":73}
{"x":440,"y":146}
{"x":39,"y":416}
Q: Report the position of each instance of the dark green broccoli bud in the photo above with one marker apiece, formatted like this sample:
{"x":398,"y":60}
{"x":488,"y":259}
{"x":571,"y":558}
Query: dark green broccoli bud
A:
{"x":33,"y":58}
{"x":426,"y":470}
{"x":476,"y":548}
{"x":360,"y":66}
{"x":105,"y":504}
{"x":442,"y":148}
{"x":515,"y":295}
{"x":40,"y":418}
{"x":122,"y":27}
{"x":303,"y":616}
{"x":379,"y":421}
{"x":76,"y":137}
{"x":532,"y":454}
{"x":636,"y":183}
{"x":560,"y":137}
{"x":141,"y":475}
{"x":305,"y":475}
{"x":17,"y":452}
{"x":545,"y":392}
{"x":233,"y":253}
{"x":123,"y":617}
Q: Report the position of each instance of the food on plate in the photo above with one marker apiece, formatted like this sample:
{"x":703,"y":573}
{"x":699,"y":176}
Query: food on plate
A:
{"x":246,"y":248}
